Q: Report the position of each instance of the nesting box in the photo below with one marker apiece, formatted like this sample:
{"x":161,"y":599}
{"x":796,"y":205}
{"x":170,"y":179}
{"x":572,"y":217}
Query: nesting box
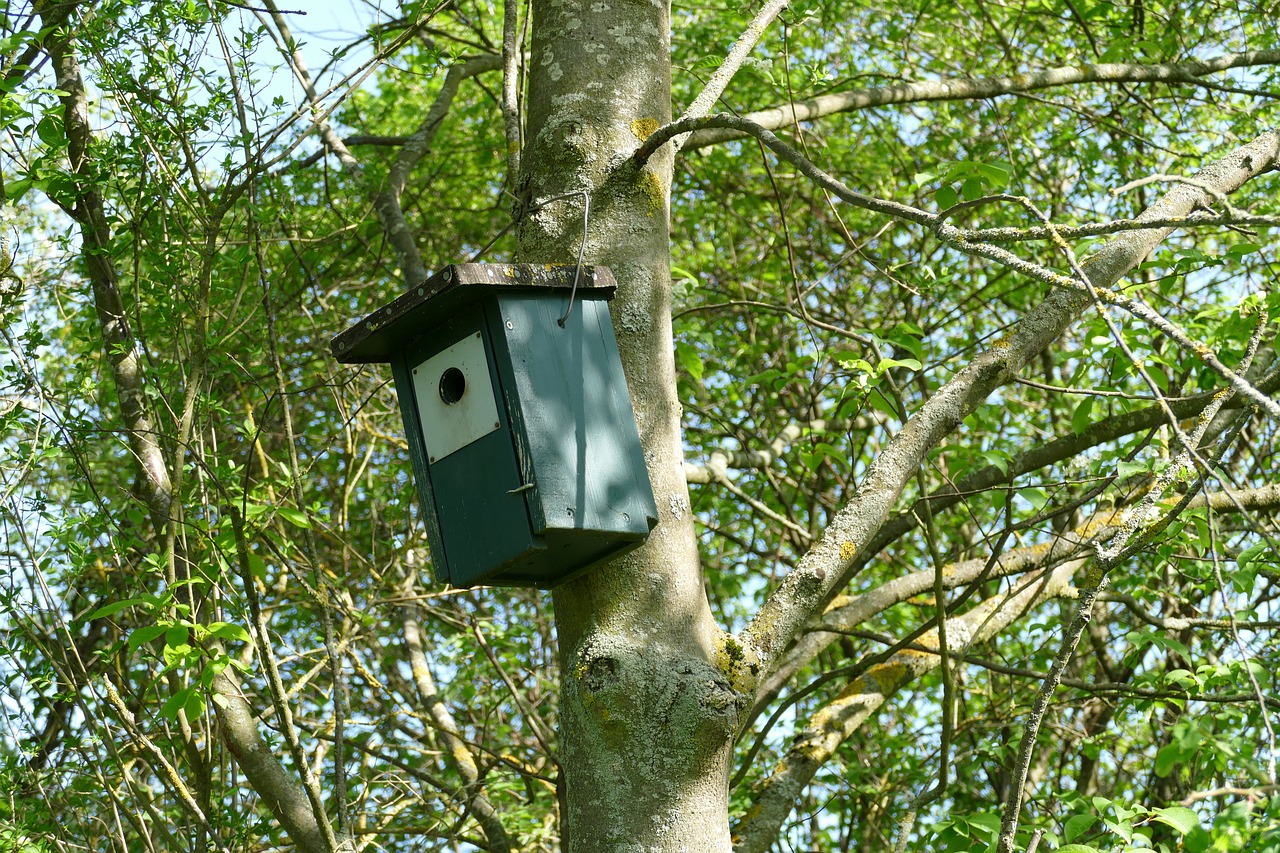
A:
{"x":521,"y":431}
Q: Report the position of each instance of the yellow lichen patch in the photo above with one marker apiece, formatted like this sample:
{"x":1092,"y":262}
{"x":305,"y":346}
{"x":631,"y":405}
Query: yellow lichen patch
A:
{"x":643,"y":128}
{"x":740,"y":662}
{"x":654,"y":190}
{"x":848,"y":549}
{"x":838,"y":602}
{"x":1093,"y":577}
{"x":1001,"y":342}
{"x":886,"y":676}
{"x":914,"y":655}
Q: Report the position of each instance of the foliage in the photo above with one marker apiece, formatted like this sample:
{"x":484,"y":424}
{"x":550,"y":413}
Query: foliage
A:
{"x":802,"y":324}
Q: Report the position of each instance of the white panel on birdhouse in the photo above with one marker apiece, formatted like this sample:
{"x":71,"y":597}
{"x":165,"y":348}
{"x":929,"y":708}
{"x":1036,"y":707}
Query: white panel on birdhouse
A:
{"x":455,"y":397}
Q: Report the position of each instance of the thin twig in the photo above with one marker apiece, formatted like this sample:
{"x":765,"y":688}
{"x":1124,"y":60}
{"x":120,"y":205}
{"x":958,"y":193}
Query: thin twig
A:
{"x":732,"y":62}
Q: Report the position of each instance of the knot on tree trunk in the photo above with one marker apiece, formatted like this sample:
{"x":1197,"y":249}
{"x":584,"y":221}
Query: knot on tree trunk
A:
{"x":645,"y":722}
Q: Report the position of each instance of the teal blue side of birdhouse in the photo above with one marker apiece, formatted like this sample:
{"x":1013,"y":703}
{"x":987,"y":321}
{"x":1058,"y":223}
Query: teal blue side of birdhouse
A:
{"x":573,"y":422}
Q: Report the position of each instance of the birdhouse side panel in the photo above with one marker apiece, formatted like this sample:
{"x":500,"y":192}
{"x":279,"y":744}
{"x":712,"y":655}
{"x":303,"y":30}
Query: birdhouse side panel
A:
{"x":573,"y":409}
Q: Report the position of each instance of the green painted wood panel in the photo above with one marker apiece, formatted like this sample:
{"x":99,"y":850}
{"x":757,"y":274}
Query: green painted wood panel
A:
{"x":474,"y":492}
{"x":573,"y":415}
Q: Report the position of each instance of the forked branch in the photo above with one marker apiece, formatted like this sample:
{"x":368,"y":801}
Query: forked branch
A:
{"x":802,"y":593}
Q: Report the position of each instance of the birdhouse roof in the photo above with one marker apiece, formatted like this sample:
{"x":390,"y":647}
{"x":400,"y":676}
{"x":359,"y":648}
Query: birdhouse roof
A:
{"x":384,"y":333}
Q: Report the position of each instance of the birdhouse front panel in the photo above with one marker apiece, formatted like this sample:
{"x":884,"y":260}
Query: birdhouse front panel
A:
{"x":474,"y":506}
{"x":455,"y":397}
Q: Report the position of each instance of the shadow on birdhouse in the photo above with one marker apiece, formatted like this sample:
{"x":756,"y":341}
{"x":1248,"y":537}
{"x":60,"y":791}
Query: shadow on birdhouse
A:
{"x":521,"y":431}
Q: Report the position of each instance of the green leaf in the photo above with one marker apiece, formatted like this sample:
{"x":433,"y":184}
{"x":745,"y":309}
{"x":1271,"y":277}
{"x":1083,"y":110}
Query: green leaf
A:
{"x":1168,"y":756}
{"x":997,"y":175}
{"x":116,"y":606}
{"x":295,"y":516}
{"x":1250,"y":554}
{"x":175,"y":703}
{"x":50,"y":132}
{"x":1128,"y":469}
{"x":1083,"y":416}
{"x":1076,"y":825}
{"x":145,"y":634}
{"x":1183,"y":678}
{"x":689,"y":359}
{"x":1077,"y":848}
{"x":1180,"y":818}
{"x":194,"y":704}
{"x":15,"y":190}
{"x":1035,"y":496}
{"x":946,"y":197}
{"x":176,"y":635}
{"x":1240,"y":250}
{"x":228,"y":631}
{"x":972,"y":189}
{"x":999,"y":459}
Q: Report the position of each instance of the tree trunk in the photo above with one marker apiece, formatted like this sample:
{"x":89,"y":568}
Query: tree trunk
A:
{"x":647,"y":714}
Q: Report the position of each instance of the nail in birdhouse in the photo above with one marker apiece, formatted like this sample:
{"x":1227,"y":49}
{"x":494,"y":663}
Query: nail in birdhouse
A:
{"x":521,"y":432}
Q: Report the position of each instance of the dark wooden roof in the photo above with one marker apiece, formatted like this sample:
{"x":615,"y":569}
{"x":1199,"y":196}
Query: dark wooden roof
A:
{"x":385,"y":332}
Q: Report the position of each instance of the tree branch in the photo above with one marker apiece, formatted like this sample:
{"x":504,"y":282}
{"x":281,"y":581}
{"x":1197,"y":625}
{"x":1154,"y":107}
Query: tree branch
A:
{"x":775,"y":118}
{"x":847,"y":612}
{"x":839,"y":719}
{"x":732,"y":62}
{"x":455,"y":748}
{"x":278,"y":791}
{"x":511,"y":86}
{"x":804,"y":589}
{"x":1135,"y":531}
{"x":716,"y":468}
{"x":387,"y":201}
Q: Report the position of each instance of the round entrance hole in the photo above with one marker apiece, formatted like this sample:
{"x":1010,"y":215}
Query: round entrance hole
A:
{"x":453,"y":384}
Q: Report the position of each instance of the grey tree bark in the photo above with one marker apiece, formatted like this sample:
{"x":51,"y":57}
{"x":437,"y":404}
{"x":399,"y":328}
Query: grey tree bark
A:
{"x":647,"y":716}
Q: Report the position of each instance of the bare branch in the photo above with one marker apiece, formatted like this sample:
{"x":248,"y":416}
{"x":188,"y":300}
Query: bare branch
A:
{"x":455,"y":747}
{"x":732,"y":62}
{"x":770,"y":140}
{"x":1265,"y":498}
{"x":716,"y":468}
{"x":1197,"y":219}
{"x":387,"y":201}
{"x":1135,"y":530}
{"x":968,"y":89}
{"x":1256,"y":793}
{"x":804,"y":589}
{"x":511,"y":86}
{"x":847,"y":612}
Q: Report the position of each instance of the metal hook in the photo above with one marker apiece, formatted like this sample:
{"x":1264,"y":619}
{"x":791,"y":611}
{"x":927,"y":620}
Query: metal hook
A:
{"x":577,"y":271}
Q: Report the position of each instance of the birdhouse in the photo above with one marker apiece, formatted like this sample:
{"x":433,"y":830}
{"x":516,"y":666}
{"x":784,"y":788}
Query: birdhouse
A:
{"x":520,"y":428}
